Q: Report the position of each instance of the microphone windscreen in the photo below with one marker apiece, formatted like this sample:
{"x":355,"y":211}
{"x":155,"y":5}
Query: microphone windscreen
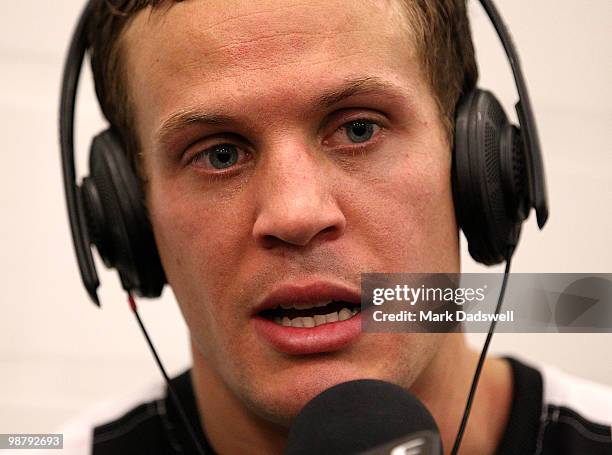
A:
{"x":357,"y":416}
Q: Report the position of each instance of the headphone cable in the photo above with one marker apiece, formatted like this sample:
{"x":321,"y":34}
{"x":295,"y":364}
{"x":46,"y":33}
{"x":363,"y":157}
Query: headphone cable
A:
{"x":171,"y":391}
{"x":483,"y":355}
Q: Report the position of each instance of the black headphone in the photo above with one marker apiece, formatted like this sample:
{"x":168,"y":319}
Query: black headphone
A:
{"x":497,"y":178}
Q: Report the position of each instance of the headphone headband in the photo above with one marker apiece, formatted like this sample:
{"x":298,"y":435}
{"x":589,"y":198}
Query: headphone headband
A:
{"x":537,"y":183}
{"x":70,"y":82}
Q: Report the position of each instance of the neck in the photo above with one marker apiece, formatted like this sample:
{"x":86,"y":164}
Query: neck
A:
{"x":232,"y":428}
{"x":445,"y":390}
{"x":228,"y":424}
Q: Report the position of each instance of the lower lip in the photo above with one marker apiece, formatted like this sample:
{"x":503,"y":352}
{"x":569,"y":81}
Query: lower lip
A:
{"x":297,"y":341}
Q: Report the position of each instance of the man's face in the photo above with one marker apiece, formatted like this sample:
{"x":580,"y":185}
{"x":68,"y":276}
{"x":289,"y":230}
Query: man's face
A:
{"x":288,"y":147}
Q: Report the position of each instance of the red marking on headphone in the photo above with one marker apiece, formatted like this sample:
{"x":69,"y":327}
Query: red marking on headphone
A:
{"x":132,"y":302}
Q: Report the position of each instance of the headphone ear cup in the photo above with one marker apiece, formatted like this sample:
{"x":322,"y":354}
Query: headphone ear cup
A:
{"x":515,"y":180}
{"x":117,"y":221}
{"x":486,"y":206}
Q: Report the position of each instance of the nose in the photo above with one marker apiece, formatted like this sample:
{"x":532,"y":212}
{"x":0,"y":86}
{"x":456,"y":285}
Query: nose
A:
{"x":296,"y":202}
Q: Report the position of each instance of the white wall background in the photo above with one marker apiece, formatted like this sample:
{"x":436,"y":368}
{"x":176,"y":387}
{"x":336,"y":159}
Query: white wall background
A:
{"x":59,"y":354}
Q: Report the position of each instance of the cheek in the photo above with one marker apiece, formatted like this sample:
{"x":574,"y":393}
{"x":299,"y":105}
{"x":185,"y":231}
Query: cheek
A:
{"x":405,"y":211}
{"x":201,"y":239}
{"x":429,"y":217}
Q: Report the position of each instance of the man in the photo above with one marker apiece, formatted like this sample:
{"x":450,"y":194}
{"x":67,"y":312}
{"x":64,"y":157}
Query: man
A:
{"x":285,"y":148}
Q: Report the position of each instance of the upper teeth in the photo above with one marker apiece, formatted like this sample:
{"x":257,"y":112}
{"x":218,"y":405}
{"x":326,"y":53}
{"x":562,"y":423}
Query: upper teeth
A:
{"x":304,"y":306}
{"x":307,"y":321}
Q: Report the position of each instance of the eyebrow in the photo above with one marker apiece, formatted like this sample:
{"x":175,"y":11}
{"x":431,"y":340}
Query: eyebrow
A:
{"x":353,"y":87}
{"x":349,"y":88}
{"x":187,"y":117}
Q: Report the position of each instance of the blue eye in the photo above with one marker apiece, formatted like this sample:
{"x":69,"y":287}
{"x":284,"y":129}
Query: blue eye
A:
{"x":359,"y":131}
{"x":222,"y":156}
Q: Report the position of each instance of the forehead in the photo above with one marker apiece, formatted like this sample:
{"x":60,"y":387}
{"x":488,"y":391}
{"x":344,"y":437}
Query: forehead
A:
{"x":237,"y":50}
{"x":242,"y":32}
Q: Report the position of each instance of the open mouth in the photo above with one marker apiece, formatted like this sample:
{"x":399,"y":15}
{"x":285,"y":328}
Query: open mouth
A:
{"x":311,"y":315}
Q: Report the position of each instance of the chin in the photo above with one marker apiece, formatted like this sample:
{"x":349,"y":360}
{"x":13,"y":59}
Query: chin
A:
{"x":280,"y":405}
{"x":280,"y":399}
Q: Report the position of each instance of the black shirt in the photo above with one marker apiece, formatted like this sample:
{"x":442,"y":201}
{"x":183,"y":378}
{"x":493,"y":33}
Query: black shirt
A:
{"x":535,"y":426}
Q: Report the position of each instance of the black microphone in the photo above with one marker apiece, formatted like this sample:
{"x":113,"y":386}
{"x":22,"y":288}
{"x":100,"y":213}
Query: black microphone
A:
{"x":366,"y":417}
